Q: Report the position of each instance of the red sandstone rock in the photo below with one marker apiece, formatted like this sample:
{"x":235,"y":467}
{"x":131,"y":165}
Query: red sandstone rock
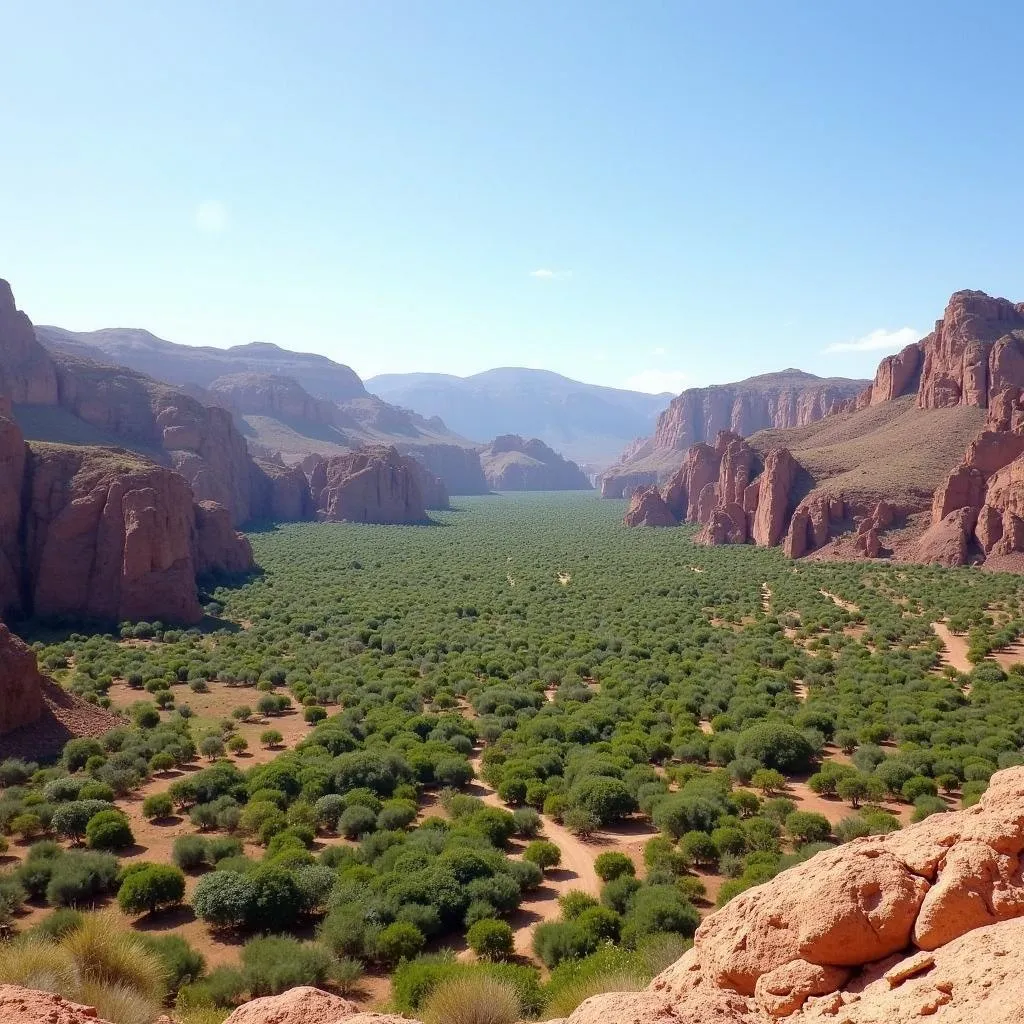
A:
{"x":947,"y":542}
{"x":27,"y":373}
{"x":777,"y":479}
{"x":372,"y":485}
{"x":956,"y":368}
{"x":648,"y":508}
{"x":12,"y":472}
{"x":726,"y":524}
{"x":963,"y":488}
{"x":896,"y":375}
{"x":512,"y":463}
{"x":28,"y":1006}
{"x":302,"y":1005}
{"x":281,"y":492}
{"x":218,"y":548}
{"x":109,"y":537}
{"x":707,"y":502}
{"x":21,"y":700}
{"x":735,"y":470}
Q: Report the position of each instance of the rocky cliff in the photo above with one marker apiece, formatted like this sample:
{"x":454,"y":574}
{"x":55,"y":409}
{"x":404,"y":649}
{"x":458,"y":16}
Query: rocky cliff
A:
{"x":104,"y":534}
{"x":372,"y":485}
{"x":887,"y":474}
{"x":21,"y":696}
{"x":790,"y":398}
{"x":511,"y":463}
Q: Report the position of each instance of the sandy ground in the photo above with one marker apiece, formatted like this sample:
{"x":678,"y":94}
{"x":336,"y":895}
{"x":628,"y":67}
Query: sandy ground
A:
{"x":954,"y":648}
{"x":766,"y":598}
{"x":847,"y":606}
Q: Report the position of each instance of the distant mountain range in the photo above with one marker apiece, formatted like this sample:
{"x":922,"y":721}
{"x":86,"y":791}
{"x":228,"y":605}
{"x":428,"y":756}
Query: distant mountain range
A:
{"x":588,"y":424}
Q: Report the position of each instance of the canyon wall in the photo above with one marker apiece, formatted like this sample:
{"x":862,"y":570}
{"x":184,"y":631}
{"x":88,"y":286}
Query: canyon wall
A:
{"x":512,"y":463}
{"x":790,"y":398}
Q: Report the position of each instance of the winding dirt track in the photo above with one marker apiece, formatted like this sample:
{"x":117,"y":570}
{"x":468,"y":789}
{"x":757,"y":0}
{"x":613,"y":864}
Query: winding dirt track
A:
{"x":954,"y":648}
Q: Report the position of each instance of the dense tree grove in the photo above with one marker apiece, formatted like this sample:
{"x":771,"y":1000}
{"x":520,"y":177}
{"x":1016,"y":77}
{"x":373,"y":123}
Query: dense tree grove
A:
{"x":585,"y":675}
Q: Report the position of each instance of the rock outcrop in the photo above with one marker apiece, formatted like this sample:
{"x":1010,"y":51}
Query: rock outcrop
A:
{"x":790,"y":398}
{"x":104,"y":534}
{"x":773,"y":497}
{"x":37,"y":717}
{"x":21,"y":697}
{"x":511,"y":463}
{"x":458,"y":468}
{"x":648,"y":508}
{"x":269,"y":394}
{"x":281,"y":492}
{"x":218,"y":548}
{"x":27,"y":374}
{"x":373,"y":485}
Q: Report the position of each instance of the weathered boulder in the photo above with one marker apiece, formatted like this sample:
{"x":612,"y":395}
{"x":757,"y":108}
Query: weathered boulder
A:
{"x":21,"y":699}
{"x":648,"y":508}
{"x":30,"y":1006}
{"x":303,"y":1005}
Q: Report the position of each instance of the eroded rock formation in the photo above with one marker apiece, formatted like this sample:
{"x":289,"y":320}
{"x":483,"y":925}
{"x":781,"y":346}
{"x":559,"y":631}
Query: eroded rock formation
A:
{"x":790,"y":398}
{"x":648,"y":508}
{"x":511,"y":463}
{"x":373,"y":485}
{"x":21,"y":697}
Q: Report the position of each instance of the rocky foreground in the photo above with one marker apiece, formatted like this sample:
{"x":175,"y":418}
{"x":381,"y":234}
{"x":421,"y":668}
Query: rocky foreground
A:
{"x":923,"y":923}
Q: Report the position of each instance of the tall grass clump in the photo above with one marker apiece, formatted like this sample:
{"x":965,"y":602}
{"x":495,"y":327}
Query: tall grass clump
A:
{"x":473,"y":999}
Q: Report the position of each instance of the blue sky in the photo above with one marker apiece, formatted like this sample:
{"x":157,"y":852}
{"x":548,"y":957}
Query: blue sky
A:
{"x":650,"y":194}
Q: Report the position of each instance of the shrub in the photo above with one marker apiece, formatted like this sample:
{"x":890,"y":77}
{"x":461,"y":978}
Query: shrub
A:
{"x":543,"y":853}
{"x":78,"y":879}
{"x":473,"y":999}
{"x":606,"y":799}
{"x":490,"y":939}
{"x":347,"y":973}
{"x":157,"y":806}
{"x":919,"y":785}
{"x":555,"y":941}
{"x":926,"y":805}
{"x":222,"y":899}
{"x":776,"y":745}
{"x":59,"y":923}
{"x":698,"y":848}
{"x":109,"y":830}
{"x":189,"y":852}
{"x":397,"y":942}
{"x":356,"y":821}
{"x":581,"y":822}
{"x":611,"y":864}
{"x":768,"y":780}
{"x":151,"y":888}
{"x":808,"y":827}
{"x":182,"y":964}
{"x":574,"y":902}
{"x":659,"y":908}
{"x":273,"y":965}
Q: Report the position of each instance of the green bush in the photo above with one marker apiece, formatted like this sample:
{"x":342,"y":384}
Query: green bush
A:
{"x":109,"y":830}
{"x":149,"y":888}
{"x":611,"y":864}
{"x":490,"y":939}
{"x":397,"y":942}
{"x":276,"y":964}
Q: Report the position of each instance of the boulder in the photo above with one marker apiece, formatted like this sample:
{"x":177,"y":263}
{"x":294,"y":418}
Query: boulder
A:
{"x":303,"y":1005}
{"x":21,"y":699}
{"x":29,"y":1006}
{"x":648,"y":508}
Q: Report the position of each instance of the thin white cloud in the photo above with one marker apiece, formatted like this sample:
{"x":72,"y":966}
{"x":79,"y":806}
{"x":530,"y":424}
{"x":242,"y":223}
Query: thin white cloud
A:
{"x":654,"y":382}
{"x":878,"y":340}
{"x":544,"y":274}
{"x":659,"y":351}
{"x":212,"y":217}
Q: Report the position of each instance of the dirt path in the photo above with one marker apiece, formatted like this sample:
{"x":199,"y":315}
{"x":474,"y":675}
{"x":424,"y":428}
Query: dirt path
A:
{"x":576,"y":871}
{"x":766,"y":598}
{"x":847,"y":606}
{"x":954,"y":648}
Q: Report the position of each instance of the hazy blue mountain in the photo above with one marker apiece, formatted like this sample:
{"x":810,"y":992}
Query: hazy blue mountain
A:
{"x":586,"y":423}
